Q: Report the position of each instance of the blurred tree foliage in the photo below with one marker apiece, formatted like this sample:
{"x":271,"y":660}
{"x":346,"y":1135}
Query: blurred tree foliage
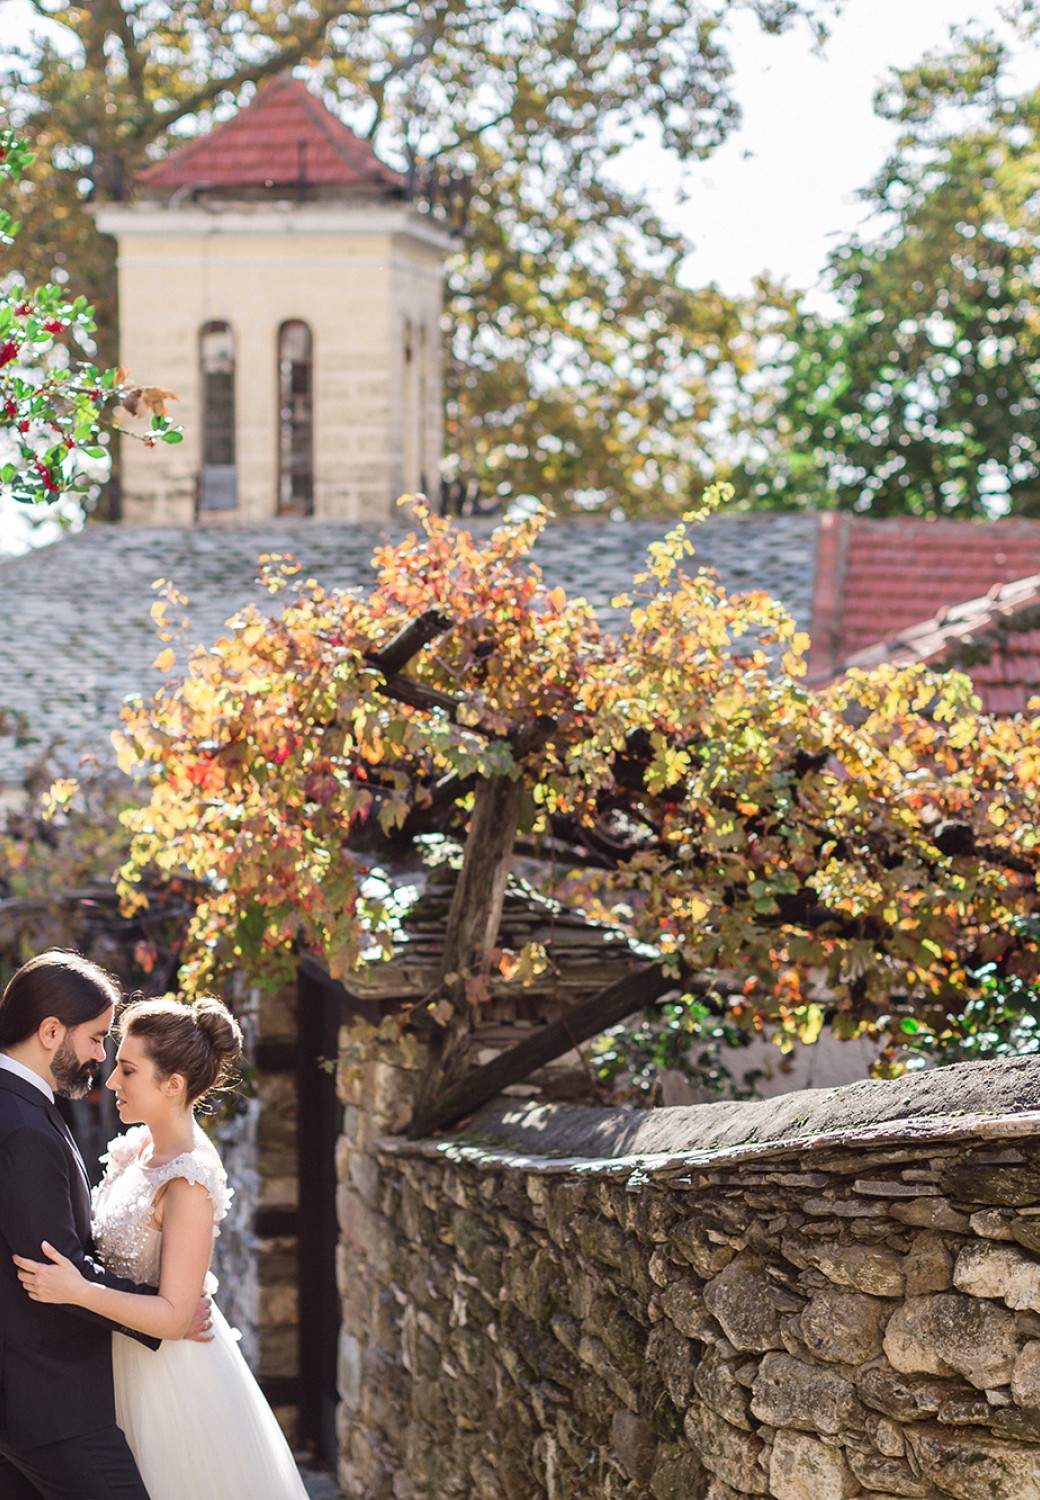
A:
{"x":921,"y":394}
{"x":582,"y":367}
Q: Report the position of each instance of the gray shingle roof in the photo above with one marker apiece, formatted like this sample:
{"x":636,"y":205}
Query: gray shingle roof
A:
{"x":76,"y":636}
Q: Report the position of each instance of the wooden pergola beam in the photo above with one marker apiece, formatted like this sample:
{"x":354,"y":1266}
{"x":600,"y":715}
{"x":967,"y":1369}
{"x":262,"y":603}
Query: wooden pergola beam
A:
{"x":635,"y":992}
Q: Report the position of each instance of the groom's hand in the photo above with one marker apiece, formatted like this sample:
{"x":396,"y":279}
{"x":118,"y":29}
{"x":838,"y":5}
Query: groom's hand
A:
{"x":201,"y":1330}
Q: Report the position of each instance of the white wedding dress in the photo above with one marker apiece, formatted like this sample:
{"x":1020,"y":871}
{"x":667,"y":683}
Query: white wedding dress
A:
{"x":196,"y":1420}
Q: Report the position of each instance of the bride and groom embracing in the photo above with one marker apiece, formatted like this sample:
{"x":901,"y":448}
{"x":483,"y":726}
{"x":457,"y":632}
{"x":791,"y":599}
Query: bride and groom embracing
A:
{"x":119,"y":1379}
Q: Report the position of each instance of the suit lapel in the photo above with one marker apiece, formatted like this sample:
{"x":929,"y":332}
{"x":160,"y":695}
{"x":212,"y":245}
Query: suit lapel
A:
{"x":57,"y":1120}
{"x":79,"y":1178}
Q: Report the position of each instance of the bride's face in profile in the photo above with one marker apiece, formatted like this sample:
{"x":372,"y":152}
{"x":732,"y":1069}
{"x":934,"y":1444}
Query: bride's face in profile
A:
{"x":141,"y":1096}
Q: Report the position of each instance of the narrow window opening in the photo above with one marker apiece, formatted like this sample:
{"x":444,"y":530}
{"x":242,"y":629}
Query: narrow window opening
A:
{"x":296,"y":421}
{"x":218,"y":479}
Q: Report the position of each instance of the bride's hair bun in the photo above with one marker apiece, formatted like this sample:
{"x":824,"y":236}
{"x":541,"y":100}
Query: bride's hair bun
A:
{"x":202,"y":1042}
{"x":219,"y":1027}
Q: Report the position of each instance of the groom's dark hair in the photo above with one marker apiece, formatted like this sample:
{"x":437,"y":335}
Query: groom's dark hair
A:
{"x":64,"y":985}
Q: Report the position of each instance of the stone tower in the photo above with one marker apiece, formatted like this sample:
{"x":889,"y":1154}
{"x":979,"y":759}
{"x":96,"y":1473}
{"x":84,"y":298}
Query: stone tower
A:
{"x":274,"y":274}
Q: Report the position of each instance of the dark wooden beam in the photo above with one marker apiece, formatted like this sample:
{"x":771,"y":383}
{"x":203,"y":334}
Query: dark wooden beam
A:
{"x":634,"y":992}
{"x":408,"y":642}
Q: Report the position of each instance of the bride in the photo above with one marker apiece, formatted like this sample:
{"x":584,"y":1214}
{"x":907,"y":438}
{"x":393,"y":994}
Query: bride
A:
{"x":192,"y":1413}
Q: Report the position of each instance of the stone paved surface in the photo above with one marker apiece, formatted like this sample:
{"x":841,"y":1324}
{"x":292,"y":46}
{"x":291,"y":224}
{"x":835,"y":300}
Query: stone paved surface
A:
{"x":76,"y":637}
{"x":319,"y":1484}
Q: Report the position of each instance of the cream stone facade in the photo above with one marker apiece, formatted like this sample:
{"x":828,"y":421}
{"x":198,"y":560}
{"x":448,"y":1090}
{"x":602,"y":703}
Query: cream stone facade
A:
{"x":365,"y":278}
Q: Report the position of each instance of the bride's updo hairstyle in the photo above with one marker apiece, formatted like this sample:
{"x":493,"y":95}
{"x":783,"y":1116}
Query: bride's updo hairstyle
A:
{"x":202,"y":1042}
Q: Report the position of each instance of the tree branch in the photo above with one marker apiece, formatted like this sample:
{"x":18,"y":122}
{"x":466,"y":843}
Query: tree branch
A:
{"x":408,"y":642}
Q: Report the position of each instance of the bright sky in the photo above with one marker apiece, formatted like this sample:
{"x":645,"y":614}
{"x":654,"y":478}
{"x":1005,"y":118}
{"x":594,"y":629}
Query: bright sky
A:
{"x":782,"y":191}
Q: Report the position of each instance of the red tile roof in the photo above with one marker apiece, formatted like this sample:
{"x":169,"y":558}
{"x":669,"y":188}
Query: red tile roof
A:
{"x":877,"y":578}
{"x":995,"y":639}
{"x":284,"y":136}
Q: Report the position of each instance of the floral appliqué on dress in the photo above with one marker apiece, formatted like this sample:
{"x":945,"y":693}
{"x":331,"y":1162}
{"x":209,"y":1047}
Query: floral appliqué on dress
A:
{"x":127,"y":1241}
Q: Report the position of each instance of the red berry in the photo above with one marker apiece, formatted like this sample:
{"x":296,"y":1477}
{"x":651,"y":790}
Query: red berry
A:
{"x":8,"y":350}
{"x":23,"y":426}
{"x":10,"y":409}
{"x":53,"y":326}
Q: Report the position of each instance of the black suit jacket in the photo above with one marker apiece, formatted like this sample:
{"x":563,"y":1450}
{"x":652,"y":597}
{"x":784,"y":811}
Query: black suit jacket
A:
{"x":55,"y":1361}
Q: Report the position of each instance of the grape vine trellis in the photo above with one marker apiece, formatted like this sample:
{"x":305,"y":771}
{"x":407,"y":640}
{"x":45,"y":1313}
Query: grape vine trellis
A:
{"x":873,"y":848}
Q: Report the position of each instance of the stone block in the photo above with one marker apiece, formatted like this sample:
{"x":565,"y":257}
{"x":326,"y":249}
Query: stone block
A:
{"x":967,"y":1463}
{"x":906,"y":1397}
{"x":947,"y":1333}
{"x":788,"y":1393}
{"x":735,"y":1298}
{"x":888,"y":1476}
{"x":689,"y":1240}
{"x":348,"y":1370}
{"x":678,"y":1474}
{"x":683,"y":1304}
{"x":634,"y":1444}
{"x":931,"y":1213}
{"x":1004,"y":1271}
{"x":388,"y":1094}
{"x":844,"y":1327}
{"x":983,"y":1183}
{"x":1025,"y":1377}
{"x":733,"y":1456}
{"x":599,"y":1239}
{"x":803,"y":1468}
{"x":873,"y":1269}
{"x":279,"y":1351}
{"x":671,"y":1357}
{"x":716,"y":1383}
{"x":992,"y":1223}
{"x":928,"y":1266}
{"x":886,"y":1435}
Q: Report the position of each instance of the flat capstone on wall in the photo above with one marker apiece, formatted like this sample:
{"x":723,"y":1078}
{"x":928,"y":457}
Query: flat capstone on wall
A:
{"x":830,"y":1296}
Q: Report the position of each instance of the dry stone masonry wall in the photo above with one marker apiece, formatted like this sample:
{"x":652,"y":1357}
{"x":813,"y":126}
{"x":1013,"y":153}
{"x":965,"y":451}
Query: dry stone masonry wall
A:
{"x":829,"y":1314}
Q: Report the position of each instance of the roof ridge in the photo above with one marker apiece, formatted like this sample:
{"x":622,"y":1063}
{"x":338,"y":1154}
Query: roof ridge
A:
{"x":261,"y":127}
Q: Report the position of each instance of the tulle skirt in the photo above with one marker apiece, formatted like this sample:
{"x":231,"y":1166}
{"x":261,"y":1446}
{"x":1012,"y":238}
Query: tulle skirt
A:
{"x":197,"y":1422}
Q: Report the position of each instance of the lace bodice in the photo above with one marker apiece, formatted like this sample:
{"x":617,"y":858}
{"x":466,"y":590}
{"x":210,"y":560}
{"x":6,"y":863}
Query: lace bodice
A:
{"x":126,"y":1240}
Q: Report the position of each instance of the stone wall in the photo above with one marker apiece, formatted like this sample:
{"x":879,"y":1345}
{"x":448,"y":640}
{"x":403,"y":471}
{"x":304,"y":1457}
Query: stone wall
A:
{"x":255,"y":1257}
{"x":829,"y":1296}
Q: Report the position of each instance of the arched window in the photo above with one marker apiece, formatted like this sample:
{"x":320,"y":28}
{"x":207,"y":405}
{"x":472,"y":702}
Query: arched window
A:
{"x":296,"y":421}
{"x":218,"y":488}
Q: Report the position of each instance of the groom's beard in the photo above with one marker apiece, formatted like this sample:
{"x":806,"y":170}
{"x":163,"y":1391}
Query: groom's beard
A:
{"x":72,"y":1079}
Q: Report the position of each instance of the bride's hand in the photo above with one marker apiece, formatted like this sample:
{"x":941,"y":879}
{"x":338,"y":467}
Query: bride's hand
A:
{"x":58,"y":1281}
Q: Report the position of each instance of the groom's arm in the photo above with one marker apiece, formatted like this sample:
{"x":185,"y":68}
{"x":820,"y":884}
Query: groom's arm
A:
{"x":36,"y":1205}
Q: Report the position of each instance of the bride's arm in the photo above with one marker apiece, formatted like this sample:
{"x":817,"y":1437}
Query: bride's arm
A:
{"x":36,"y":1205}
{"x":186,"y":1249}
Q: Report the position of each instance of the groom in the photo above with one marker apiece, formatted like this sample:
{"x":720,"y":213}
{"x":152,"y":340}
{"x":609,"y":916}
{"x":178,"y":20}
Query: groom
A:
{"x":58,"y":1433}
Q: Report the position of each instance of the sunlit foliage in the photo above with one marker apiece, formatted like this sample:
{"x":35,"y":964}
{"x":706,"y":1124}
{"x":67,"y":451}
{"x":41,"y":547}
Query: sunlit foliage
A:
{"x":871,"y":850}
{"x":921,"y":394}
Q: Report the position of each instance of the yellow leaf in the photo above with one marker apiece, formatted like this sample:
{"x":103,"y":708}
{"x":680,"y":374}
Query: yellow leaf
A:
{"x":729,"y":702}
{"x":165,"y":660}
